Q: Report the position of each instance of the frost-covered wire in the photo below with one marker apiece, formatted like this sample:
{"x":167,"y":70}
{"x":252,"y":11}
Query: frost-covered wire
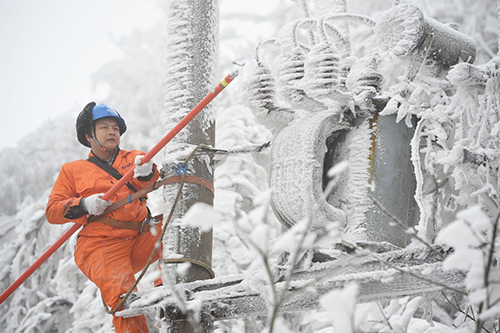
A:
{"x":258,"y":48}
{"x":305,"y":10}
{"x":357,"y":18}
{"x":160,"y":239}
{"x":340,"y":41}
{"x":287,"y":37}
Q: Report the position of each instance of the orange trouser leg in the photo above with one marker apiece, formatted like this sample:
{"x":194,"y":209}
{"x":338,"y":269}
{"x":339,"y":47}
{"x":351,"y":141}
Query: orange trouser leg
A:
{"x":111,"y":263}
{"x":144,"y":245}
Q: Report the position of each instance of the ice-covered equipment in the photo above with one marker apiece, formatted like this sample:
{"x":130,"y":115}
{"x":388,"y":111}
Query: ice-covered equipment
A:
{"x":404,"y":29}
{"x":297,"y":172}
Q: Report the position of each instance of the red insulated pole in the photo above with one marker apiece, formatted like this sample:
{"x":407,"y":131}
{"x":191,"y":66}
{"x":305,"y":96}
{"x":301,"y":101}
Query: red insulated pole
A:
{"x":169,"y":136}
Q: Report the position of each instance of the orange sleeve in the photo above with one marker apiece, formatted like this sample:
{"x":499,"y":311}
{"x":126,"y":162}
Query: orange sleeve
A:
{"x":62,"y":198}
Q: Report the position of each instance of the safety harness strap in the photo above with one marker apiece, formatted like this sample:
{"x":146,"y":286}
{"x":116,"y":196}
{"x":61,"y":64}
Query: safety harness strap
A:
{"x":109,"y":169}
{"x":143,"y":226}
{"x":156,"y":185}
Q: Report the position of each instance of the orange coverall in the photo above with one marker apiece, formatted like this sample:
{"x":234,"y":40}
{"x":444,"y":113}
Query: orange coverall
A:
{"x":108,"y":256}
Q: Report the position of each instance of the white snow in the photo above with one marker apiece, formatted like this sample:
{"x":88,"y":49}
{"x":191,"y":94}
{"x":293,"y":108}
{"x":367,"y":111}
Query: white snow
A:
{"x":341,"y":305}
{"x":202,"y":216}
{"x":456,"y":124}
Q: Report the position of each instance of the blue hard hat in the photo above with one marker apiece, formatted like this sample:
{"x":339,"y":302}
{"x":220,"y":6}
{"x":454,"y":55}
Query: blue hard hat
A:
{"x":103,"y":111}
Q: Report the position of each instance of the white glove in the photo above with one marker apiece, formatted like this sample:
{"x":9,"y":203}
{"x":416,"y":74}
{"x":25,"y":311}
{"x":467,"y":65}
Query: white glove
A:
{"x":142,"y":170}
{"x":94,"y":205}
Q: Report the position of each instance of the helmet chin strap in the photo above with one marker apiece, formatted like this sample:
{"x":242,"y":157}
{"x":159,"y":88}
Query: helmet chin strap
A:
{"x":98,"y":144}
{"x":103,"y":149}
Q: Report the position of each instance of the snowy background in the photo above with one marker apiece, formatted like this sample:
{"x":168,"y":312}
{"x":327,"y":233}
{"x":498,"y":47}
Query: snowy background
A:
{"x":58,"y":298}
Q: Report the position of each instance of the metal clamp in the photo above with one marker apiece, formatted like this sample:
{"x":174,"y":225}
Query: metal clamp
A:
{"x":180,"y":169}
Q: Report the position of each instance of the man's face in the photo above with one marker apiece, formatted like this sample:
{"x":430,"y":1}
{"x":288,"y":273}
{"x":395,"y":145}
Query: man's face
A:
{"x":107,"y":132}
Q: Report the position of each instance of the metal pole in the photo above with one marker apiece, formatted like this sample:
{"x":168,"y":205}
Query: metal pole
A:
{"x":192,"y":57}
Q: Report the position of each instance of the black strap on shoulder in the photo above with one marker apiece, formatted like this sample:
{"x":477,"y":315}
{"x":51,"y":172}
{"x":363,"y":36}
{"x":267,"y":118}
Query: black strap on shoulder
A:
{"x":109,"y":169}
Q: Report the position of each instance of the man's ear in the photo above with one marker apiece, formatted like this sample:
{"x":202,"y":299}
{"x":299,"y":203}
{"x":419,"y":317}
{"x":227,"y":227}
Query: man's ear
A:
{"x":88,"y":137}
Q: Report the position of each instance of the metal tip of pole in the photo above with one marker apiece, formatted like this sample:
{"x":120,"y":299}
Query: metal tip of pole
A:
{"x":235,"y":71}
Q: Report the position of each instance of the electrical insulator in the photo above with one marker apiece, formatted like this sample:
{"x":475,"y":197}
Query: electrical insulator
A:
{"x":291,"y":69}
{"x":321,"y":70}
{"x":365,"y":74}
{"x":365,"y":82}
{"x":262,"y":89}
{"x":262,"y":99}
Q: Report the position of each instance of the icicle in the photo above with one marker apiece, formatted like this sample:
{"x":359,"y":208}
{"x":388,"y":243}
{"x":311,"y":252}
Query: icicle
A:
{"x":459,"y":142}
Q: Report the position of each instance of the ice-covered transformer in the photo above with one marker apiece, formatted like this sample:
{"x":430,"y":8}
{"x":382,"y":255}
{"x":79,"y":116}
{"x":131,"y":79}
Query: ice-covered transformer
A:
{"x":346,"y":124}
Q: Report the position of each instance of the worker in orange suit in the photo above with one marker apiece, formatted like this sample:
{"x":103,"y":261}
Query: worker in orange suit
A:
{"x":116,"y":245}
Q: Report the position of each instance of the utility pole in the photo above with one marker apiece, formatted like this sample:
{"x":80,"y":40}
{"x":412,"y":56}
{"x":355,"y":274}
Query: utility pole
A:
{"x":191,"y":72}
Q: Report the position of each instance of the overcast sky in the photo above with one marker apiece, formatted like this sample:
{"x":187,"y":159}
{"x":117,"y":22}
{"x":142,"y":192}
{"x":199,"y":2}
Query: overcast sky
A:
{"x":50,"y":48}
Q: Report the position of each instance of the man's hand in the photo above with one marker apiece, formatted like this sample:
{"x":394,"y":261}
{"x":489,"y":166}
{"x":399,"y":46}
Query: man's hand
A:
{"x":142,"y":170}
{"x":94,"y":205}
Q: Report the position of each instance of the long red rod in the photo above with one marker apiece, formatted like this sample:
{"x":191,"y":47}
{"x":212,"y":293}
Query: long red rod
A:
{"x":169,"y":136}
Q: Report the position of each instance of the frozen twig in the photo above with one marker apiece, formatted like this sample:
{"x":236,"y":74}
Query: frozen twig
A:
{"x":485,"y":306}
{"x":386,"y":319}
{"x":457,"y":307}
{"x":290,"y":272}
{"x":265,"y":259}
